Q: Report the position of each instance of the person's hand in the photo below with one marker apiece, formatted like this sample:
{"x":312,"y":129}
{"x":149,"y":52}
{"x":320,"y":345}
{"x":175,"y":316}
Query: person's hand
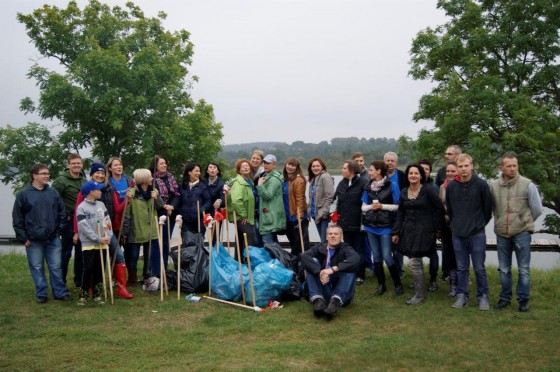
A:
{"x":226,"y":189}
{"x":324,"y":275}
{"x":395,"y":239}
{"x":105,"y":240}
{"x":129,"y":193}
{"x":154,"y":194}
{"x":27,"y":243}
{"x":123,"y":239}
{"x":325,"y":216}
{"x":261,"y":180}
{"x":217,"y":204}
{"x":244,"y":221}
{"x":377,"y":206}
{"x":75,"y":238}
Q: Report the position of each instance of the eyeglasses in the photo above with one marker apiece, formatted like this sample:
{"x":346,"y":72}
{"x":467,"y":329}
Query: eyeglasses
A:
{"x":43,"y":174}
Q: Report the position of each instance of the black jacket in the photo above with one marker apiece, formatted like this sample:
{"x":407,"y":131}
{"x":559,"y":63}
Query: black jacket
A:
{"x":38,"y":214}
{"x":349,"y":203}
{"x":469,"y":206}
{"x":417,"y":222}
{"x":216,"y":192}
{"x":344,"y":257}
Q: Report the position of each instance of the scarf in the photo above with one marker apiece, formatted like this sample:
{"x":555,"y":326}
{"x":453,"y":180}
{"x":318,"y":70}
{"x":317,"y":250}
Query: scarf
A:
{"x":193,"y":184}
{"x":377,"y":185}
{"x":164,"y":192}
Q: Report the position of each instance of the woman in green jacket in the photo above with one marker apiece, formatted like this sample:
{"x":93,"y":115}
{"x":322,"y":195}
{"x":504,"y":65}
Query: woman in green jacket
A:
{"x":243,"y":199}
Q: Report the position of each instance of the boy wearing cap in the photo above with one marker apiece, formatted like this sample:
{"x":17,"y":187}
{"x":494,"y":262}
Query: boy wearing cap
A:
{"x":95,"y":232}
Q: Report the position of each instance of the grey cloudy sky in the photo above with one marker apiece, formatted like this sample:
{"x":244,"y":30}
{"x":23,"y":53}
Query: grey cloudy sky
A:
{"x":275,"y":70}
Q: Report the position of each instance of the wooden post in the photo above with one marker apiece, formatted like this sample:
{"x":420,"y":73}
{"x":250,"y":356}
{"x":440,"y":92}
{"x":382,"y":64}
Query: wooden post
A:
{"x":250,"y":270}
{"x":239,"y":257}
{"x":179,"y":223}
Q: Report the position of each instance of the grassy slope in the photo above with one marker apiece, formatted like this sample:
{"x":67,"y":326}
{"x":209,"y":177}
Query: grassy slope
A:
{"x":374,"y":333}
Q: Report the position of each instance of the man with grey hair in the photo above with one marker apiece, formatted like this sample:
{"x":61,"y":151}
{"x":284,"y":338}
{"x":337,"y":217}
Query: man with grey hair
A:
{"x":517,"y":204}
{"x":395,"y":175}
{"x":331,"y":272}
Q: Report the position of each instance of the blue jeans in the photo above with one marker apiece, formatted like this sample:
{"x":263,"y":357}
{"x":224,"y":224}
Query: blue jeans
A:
{"x":50,"y":251}
{"x":269,"y":238}
{"x":133,"y":252}
{"x":322,"y":229}
{"x":342,"y":287}
{"x":381,"y":248}
{"x":67,"y":246}
{"x":521,"y":245}
{"x":113,"y":245}
{"x":472,"y":247}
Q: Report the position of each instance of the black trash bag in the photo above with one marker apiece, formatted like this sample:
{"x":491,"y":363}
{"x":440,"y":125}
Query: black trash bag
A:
{"x":171,"y":277}
{"x":289,"y":261}
{"x":194,"y":264}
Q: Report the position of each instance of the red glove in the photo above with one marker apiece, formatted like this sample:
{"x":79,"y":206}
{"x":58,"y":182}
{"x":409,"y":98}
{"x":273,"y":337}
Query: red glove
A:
{"x":335,"y":217}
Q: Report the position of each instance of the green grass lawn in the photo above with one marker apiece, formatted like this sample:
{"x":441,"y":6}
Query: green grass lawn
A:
{"x":373,"y":333}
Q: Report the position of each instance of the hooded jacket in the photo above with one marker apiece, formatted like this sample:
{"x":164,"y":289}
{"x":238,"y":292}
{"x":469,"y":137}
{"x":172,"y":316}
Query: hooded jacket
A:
{"x":469,"y":205}
{"x":272,"y":217}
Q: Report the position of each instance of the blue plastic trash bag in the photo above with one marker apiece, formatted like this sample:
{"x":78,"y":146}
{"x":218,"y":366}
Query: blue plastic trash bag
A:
{"x":225,"y":275}
{"x":270,"y":279}
{"x":258,"y":256}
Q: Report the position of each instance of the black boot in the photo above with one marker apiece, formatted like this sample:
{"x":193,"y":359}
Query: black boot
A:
{"x":395,"y":275}
{"x":380,"y":275}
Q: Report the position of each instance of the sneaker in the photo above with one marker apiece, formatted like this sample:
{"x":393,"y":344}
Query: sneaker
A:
{"x":460,"y":302}
{"x":359,"y":281}
{"x":444,"y":278}
{"x":41,"y":300}
{"x":433,"y":286}
{"x":484,"y":303}
{"x":414,"y":300}
{"x":452,"y":292}
{"x":98,"y":301}
{"x":333,"y":308}
{"x":502,"y":304}
{"x":319,"y":307}
{"x":524,"y":306}
{"x":82,"y":301}
{"x":399,"y":290}
{"x":66,"y":298}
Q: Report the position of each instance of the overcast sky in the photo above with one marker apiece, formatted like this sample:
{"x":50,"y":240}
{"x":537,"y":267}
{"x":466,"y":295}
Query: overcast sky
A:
{"x":275,"y":70}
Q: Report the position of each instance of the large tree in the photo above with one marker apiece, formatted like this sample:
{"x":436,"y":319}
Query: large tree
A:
{"x":495,"y":66}
{"x":120,"y":85}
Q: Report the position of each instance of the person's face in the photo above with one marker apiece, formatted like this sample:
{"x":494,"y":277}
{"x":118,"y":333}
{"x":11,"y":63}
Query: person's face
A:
{"x":245,"y":169}
{"x":346,"y":172}
{"x":290,"y":168}
{"x":161,"y":166}
{"x":334,"y":237}
{"x":42,"y":178}
{"x":96,"y":194}
{"x":98,"y":176}
{"x":194,"y":174}
{"x":212,"y":170}
{"x":75,"y":166}
{"x":391,"y":163}
{"x":374,"y":174}
{"x":116,"y":167}
{"x":426,"y":170}
{"x":269,"y":167}
{"x":414,"y":176}
{"x":464,"y":168}
{"x":450,"y":155}
{"x":509,"y":168}
{"x":256,"y":160}
{"x":149,"y":181}
{"x":450,"y":172}
{"x":316,"y":168}
{"x":360,"y":161}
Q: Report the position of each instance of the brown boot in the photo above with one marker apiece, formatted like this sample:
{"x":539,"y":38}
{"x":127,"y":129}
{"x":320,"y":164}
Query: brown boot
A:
{"x":120,"y":277}
{"x":132,"y":277}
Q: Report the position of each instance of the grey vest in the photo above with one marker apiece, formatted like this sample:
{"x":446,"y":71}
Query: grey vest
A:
{"x":512,"y":214}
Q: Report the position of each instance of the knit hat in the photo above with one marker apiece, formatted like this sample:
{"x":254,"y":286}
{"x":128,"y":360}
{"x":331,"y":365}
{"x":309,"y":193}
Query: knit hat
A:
{"x":89,"y":186}
{"x":95,"y":167}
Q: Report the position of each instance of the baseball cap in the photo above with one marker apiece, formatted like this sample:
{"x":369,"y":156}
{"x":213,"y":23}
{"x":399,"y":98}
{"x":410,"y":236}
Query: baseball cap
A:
{"x":270,"y":159}
{"x":89,"y":186}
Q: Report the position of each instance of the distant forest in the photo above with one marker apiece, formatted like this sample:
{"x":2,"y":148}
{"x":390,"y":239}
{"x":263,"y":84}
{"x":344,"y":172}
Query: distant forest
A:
{"x":333,"y":153}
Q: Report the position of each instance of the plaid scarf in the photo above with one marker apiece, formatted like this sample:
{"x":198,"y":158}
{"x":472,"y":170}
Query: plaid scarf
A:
{"x":164,"y":192}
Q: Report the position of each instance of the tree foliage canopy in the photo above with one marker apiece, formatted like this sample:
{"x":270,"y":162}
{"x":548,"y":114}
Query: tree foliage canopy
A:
{"x":495,"y":66}
{"x":121,"y":86}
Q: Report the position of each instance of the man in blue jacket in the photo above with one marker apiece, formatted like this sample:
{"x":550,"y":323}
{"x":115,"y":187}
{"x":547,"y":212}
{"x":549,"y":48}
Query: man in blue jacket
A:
{"x":469,"y":207}
{"x":38,"y":219}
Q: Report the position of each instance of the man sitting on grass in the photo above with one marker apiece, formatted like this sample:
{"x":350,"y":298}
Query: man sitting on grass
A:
{"x":331,"y":271}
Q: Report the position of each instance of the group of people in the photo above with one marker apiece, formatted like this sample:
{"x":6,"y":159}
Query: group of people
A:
{"x":374,"y":215}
